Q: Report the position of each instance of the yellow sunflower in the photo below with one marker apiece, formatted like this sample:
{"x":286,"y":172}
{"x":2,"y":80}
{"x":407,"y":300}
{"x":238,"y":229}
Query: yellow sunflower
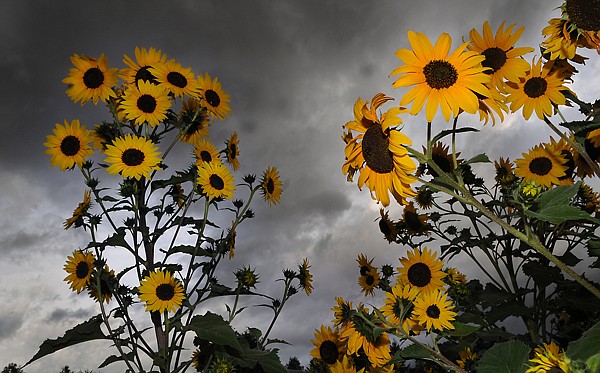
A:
{"x":450,"y":82}
{"x":80,"y":210}
{"x":232,"y":151}
{"x":539,"y":90}
{"x":359,"y":335}
{"x":559,"y":43}
{"x":387,"y":226}
{"x":90,"y":79}
{"x":139,"y":70}
{"x":504,"y":172}
{"x":398,"y":303}
{"x":270,"y":186}
{"x":424,"y":198}
{"x":548,"y":358}
{"x":79,"y":267}
{"x":345,"y":365}
{"x":378,"y":152}
{"x":197,"y":121}
{"x":69,"y":145}
{"x":305,"y":277}
{"x":341,"y":312}
{"x":500,"y":53}
{"x":369,"y":281}
{"x":108,"y":282}
{"x":214,"y":97}
{"x":441,"y":157}
{"x":205,"y":151}
{"x":132,"y":156}
{"x":568,"y":153}
{"x":414,"y":223}
{"x":364,"y":264}
{"x":584,"y":22}
{"x":329,"y":347}
{"x":593,"y":151}
{"x":455,"y":277}
{"x":178,"y":80}
{"x":422,"y":269}
{"x":216,"y":181}
{"x":146,"y":102}
{"x":434,"y":310}
{"x":467,"y":359}
{"x":161,"y":292}
{"x":491,"y":106}
{"x":541,"y":165}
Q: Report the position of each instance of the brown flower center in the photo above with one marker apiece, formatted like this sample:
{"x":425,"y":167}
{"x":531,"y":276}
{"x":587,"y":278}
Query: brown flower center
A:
{"x":177,"y":79}
{"x":412,"y":221}
{"x":70,"y":146}
{"x":232,"y":151}
{"x":375,"y":150}
{"x":146,"y":103}
{"x":270,"y":186}
{"x":540,"y":166}
{"x":133,"y":157}
{"x":82,"y":270}
{"x":144,"y":74}
{"x":329,"y":352}
{"x":433,"y":312}
{"x":443,"y":161}
{"x":535,"y":87}
{"x":584,"y":13}
{"x":369,"y":280}
{"x":216,"y":182}
{"x":212,"y":98}
{"x":165,"y":292}
{"x":440,"y":74}
{"x":495,"y":58}
{"x":206,"y":156}
{"x":419,"y":274}
{"x":93,"y":78}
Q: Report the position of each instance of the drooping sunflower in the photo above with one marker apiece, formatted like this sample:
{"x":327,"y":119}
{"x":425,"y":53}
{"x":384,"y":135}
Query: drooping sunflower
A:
{"x":232,"y":151}
{"x":69,"y":145}
{"x":467,"y":359}
{"x":80,"y":210}
{"x":146,"y":102}
{"x":455,"y":277}
{"x":79,"y":266}
{"x":559,"y":43}
{"x":422,"y":269}
{"x":178,"y":80}
{"x":132,"y":156}
{"x":215,"y":180}
{"x":345,"y":365}
{"x":108,"y":282}
{"x":341,"y":312}
{"x":270,"y":186}
{"x":548,"y":358}
{"x":414,"y":223}
{"x":434,"y":311}
{"x":501,"y":55}
{"x":305,"y":277}
{"x":539,"y":90}
{"x":541,"y":165}
{"x":139,"y":70}
{"x":329,"y":347}
{"x":378,"y":152}
{"x":197,"y":119}
{"x":359,"y":336}
{"x":587,"y":199}
{"x":387,"y":226}
{"x":450,"y":82}
{"x":205,"y":151}
{"x":214,"y":97}
{"x":504,"y":172}
{"x":161,"y":292}
{"x":369,"y":281}
{"x":90,"y":79}
{"x":398,"y":302}
{"x":492,"y":106}
{"x":584,"y":21}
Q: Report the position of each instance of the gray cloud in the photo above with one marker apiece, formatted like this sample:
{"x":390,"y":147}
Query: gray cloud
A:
{"x":60,"y":315}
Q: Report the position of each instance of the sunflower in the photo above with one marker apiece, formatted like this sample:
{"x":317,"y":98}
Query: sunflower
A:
{"x":305,"y":277}
{"x":246,"y":278}
{"x":79,"y":267}
{"x":270,"y":186}
{"x":132,"y":156}
{"x":69,"y":145}
{"x":501,"y":56}
{"x":541,"y":165}
{"x":91,"y":79}
{"x":197,"y":121}
{"x":146,"y":102}
{"x":504,"y":172}
{"x":441,"y":158}
{"x":434,"y":310}
{"x":422,"y":269}
{"x":413,"y":223}
{"x":567,"y":152}
{"x":139,"y":70}
{"x":424,"y":198}
{"x":587,"y":199}
{"x":104,"y":134}
{"x":491,"y":106}
{"x":205,"y":151}
{"x":584,"y":21}
{"x":454,"y":277}
{"x":369,"y":281}
{"x":329,"y":347}
{"x":398,"y":303}
{"x":360,"y":335}
{"x":108,"y":282}
{"x":345,"y":365}
{"x":450,"y":82}
{"x":560,"y":44}
{"x":593,"y":151}
{"x":214,"y":97}
{"x":341,"y":312}
{"x":387,"y":226}
{"x":178,"y":80}
{"x":215,"y":180}
{"x":197,"y":360}
{"x":161,"y":292}
{"x":548,"y":358}
{"x":79,"y":211}
{"x":364,"y":264}
{"x":467,"y":359}
{"x":378,"y":152}
{"x":232,"y":151}
{"x":538,"y":90}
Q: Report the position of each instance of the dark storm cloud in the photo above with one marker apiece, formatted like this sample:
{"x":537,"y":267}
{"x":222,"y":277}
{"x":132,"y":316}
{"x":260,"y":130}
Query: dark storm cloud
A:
{"x":10,"y":323}
{"x":67,"y":314}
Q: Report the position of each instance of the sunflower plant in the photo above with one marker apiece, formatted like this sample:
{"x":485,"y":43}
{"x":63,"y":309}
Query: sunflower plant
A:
{"x":157,"y":237}
{"x":527,"y":225}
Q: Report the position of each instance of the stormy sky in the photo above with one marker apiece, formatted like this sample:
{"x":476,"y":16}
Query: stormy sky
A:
{"x":294,"y":70}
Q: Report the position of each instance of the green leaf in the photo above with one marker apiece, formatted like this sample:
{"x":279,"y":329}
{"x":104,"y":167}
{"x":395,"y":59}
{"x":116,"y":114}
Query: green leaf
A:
{"x":593,"y":363}
{"x":414,"y":352}
{"x":268,"y":360}
{"x":113,"y":359}
{"x":586,"y":346}
{"x":461,"y":330}
{"x":479,"y":158}
{"x":558,"y":196}
{"x":542,"y":275}
{"x":188,"y":249}
{"x":211,"y":327}
{"x":505,"y":357}
{"x":86,"y":331}
{"x":445,"y":133}
{"x":559,"y":214}
{"x":175,"y":179}
{"x":569,"y":259}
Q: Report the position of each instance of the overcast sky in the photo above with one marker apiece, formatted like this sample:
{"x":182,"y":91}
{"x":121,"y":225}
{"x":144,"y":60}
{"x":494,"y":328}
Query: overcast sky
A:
{"x":293,"y":69}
